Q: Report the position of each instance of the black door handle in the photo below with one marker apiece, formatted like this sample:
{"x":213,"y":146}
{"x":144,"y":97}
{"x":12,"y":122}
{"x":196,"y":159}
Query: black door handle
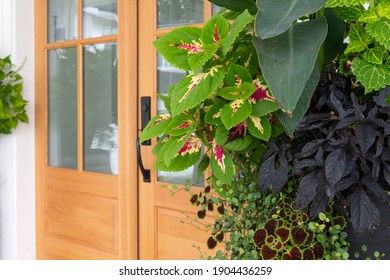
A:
{"x":145,"y":172}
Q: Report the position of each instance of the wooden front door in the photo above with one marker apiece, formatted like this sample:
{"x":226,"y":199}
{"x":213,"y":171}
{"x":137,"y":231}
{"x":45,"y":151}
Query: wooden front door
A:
{"x":94,"y":61}
{"x":86,"y":127}
{"x":166,"y":231}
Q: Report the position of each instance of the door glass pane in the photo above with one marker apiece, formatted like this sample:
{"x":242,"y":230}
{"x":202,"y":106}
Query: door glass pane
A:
{"x":168,"y":75}
{"x":216,"y":9}
{"x":101,"y":108}
{"x":179,"y":12}
{"x":62,"y":99}
{"x":100,"y":18}
{"x":62,"y":20}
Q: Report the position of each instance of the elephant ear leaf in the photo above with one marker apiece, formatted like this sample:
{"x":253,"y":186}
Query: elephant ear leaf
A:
{"x":275,"y":17}
{"x":287,"y":62}
{"x":237,"y":5}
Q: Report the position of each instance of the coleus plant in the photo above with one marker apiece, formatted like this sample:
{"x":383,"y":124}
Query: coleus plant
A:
{"x":288,"y":234}
{"x":223,"y":103}
{"x":341,"y":152}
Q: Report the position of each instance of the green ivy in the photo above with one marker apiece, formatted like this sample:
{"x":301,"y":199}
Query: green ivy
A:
{"x":12,"y":104}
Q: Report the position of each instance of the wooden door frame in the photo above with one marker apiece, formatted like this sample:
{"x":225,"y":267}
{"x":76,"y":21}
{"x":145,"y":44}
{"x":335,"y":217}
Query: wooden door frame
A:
{"x":127,"y":193}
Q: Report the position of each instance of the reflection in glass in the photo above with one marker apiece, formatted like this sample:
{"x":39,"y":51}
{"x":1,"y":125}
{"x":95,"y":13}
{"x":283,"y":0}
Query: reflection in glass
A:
{"x":168,"y":75}
{"x":100,"y":108}
{"x":215,"y":9}
{"x":100,"y":18}
{"x":62,"y":99}
{"x":62,"y":20}
{"x":179,"y":12}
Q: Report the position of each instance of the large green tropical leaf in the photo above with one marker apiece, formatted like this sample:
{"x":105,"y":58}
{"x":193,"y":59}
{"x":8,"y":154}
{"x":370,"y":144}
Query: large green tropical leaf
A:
{"x":334,"y":39}
{"x":290,"y":123}
{"x":275,"y":17}
{"x":237,"y":5}
{"x":288,"y":60}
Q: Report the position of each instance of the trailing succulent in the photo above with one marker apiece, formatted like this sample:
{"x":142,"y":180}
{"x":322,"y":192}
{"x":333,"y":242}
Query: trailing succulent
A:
{"x":12,"y":104}
{"x":340,"y":150}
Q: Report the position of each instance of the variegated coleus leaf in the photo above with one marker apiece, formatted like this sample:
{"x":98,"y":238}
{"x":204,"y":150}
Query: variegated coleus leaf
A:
{"x":237,"y":75}
{"x":213,"y":112}
{"x":259,"y":127}
{"x":155,"y":127}
{"x":221,"y":164}
{"x":242,"y":91}
{"x":262,"y":101}
{"x":215,"y":31}
{"x":194,"y":89}
{"x":177,"y":45}
{"x":180,"y":125}
{"x":187,"y":156}
{"x":240,"y":23}
{"x":178,"y":153}
{"x":235,"y":112}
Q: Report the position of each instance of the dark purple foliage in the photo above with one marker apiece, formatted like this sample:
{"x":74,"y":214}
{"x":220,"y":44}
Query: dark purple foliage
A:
{"x":341,"y":152}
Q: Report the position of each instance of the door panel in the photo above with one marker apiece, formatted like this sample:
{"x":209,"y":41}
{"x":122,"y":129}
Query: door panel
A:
{"x":166,"y":231}
{"x":86,"y":95}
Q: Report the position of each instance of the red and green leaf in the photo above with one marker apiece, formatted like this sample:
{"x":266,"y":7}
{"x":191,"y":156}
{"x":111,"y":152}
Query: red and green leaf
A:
{"x":259,"y":127}
{"x":194,"y":89}
{"x":221,"y":164}
{"x":235,"y":112}
{"x":237,"y":75}
{"x":215,"y":31}
{"x":179,"y":154}
{"x":177,"y":45}
{"x":243,"y":91}
{"x":155,"y":127}
{"x":239,"y":24}
{"x":180,"y":125}
{"x":213,"y":111}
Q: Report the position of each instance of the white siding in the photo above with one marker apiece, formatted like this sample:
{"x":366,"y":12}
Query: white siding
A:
{"x":17,"y":166}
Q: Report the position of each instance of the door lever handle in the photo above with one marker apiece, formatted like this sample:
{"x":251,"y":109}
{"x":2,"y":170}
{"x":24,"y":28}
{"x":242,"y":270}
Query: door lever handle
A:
{"x":145,"y":172}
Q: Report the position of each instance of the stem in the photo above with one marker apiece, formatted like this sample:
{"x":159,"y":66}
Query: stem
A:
{"x":372,"y":4}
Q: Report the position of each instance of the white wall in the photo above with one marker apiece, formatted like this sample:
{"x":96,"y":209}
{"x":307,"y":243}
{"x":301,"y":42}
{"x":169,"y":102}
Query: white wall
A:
{"x":17,"y":166}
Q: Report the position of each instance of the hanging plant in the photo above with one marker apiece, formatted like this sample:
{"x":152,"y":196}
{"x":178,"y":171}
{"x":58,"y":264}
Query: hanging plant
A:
{"x":12,"y":104}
